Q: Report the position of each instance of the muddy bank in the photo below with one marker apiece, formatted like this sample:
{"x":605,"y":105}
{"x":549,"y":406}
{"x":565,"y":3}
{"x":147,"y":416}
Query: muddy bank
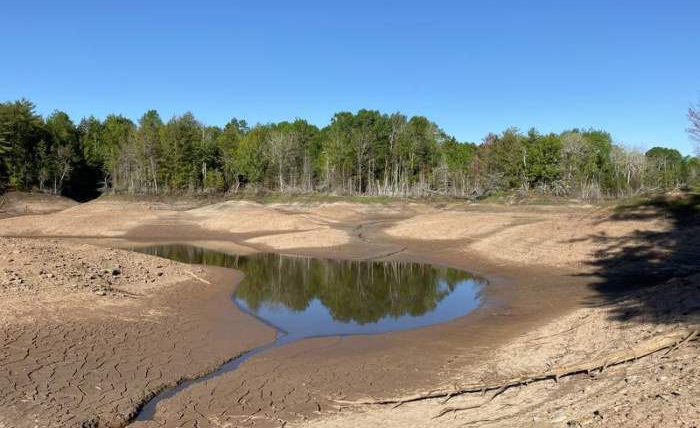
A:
{"x":88,"y":334}
{"x":299,"y":381}
{"x":659,"y":390}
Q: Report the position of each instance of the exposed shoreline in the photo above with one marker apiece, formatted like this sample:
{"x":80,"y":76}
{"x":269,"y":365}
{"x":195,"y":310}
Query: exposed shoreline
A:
{"x":520,"y":299}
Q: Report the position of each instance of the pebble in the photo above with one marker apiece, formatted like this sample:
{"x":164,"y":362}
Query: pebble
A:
{"x":559,"y":419}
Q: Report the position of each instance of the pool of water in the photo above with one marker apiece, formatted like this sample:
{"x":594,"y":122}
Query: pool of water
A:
{"x":309,"y":297}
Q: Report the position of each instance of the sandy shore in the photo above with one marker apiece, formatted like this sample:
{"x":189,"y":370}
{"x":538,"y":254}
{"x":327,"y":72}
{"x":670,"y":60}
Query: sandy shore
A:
{"x":546,"y":267}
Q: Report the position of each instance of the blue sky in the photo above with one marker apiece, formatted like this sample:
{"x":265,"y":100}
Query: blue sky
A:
{"x":631,"y":67}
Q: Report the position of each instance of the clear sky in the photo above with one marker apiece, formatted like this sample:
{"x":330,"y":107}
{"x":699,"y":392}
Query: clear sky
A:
{"x":631,"y":67}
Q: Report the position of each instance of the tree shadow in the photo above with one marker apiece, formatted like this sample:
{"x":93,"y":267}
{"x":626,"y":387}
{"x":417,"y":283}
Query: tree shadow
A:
{"x":652,"y":275}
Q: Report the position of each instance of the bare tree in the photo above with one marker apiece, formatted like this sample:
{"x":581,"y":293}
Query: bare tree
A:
{"x":282,"y":153}
{"x":694,"y":129}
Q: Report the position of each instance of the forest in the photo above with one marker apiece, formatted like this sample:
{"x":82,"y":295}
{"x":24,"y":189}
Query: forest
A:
{"x":362,"y":153}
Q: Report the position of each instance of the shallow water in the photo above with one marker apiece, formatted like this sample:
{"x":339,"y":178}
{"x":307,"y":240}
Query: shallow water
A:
{"x":306,"y":297}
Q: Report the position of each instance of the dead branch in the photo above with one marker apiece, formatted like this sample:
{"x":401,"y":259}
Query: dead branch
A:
{"x":670,"y":341}
{"x":198,"y":278}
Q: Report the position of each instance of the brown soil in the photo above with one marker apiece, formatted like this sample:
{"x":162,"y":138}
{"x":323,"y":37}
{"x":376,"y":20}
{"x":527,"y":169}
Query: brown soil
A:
{"x":89,"y":333}
{"x":14,"y":204}
{"x":545,"y":306}
{"x":660,"y":390}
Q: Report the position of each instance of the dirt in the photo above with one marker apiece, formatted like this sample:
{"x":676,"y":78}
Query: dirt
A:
{"x":88,"y":334}
{"x":660,"y":390}
{"x":548,"y":302}
{"x":14,"y":204}
{"x":561,"y":236}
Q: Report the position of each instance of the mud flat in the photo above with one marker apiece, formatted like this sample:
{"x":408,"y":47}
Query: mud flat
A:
{"x":89,"y":334}
{"x":559,"y":292}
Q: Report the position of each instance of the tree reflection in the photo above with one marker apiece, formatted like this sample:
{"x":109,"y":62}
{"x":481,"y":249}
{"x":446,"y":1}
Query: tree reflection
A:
{"x":363,"y":292}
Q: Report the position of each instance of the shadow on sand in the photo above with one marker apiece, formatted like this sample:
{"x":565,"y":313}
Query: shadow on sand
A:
{"x":652,"y":276}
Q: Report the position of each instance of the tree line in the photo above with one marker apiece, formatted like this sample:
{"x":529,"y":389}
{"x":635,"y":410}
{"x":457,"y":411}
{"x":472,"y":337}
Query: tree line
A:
{"x":362,"y":153}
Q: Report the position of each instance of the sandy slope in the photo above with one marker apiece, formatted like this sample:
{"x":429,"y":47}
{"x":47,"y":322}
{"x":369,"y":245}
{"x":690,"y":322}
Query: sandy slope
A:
{"x":562,"y":240}
{"x":562,"y":237}
{"x":453,"y":225}
{"x":247,"y":217}
{"x":19,"y":203}
{"x":550,"y":236}
{"x":107,"y":218}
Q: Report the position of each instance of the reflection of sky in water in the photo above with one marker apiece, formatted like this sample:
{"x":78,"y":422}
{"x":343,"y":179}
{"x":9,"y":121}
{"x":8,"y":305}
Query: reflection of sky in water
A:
{"x":316,"y":319}
{"x":309,"y":297}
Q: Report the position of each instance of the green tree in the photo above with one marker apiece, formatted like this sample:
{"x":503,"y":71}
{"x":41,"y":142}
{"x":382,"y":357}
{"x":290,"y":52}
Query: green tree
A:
{"x":64,"y":152}
{"x":181,"y":135}
{"x":251,"y":161}
{"x":366,"y":152}
{"x":666,"y":168}
{"x":228,"y":141}
{"x":148,"y":137}
{"x":543,"y":158}
{"x":21,"y":132}
{"x":114,"y":150}
{"x":208,"y":156}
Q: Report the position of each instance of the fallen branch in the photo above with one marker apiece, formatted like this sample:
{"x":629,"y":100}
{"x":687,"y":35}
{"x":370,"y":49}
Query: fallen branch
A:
{"x":670,"y":341}
{"x":692,"y":336}
{"x":197,"y":277}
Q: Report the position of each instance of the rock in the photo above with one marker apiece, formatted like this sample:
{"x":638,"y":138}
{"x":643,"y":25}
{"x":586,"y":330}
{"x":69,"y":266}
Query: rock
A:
{"x":559,"y":419}
{"x":116,"y":271}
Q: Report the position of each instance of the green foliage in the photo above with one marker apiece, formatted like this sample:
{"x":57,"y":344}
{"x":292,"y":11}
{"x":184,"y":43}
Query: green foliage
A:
{"x":543,"y":158}
{"x":666,"y":167}
{"x":458,"y":156}
{"x":228,"y":142}
{"x":366,"y":153}
{"x":251,"y":162}
{"x":21,"y":132}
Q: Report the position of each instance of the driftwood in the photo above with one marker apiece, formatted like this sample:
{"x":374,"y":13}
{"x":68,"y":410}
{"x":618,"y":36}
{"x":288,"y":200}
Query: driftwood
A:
{"x":670,"y":341}
{"x":198,"y":278}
